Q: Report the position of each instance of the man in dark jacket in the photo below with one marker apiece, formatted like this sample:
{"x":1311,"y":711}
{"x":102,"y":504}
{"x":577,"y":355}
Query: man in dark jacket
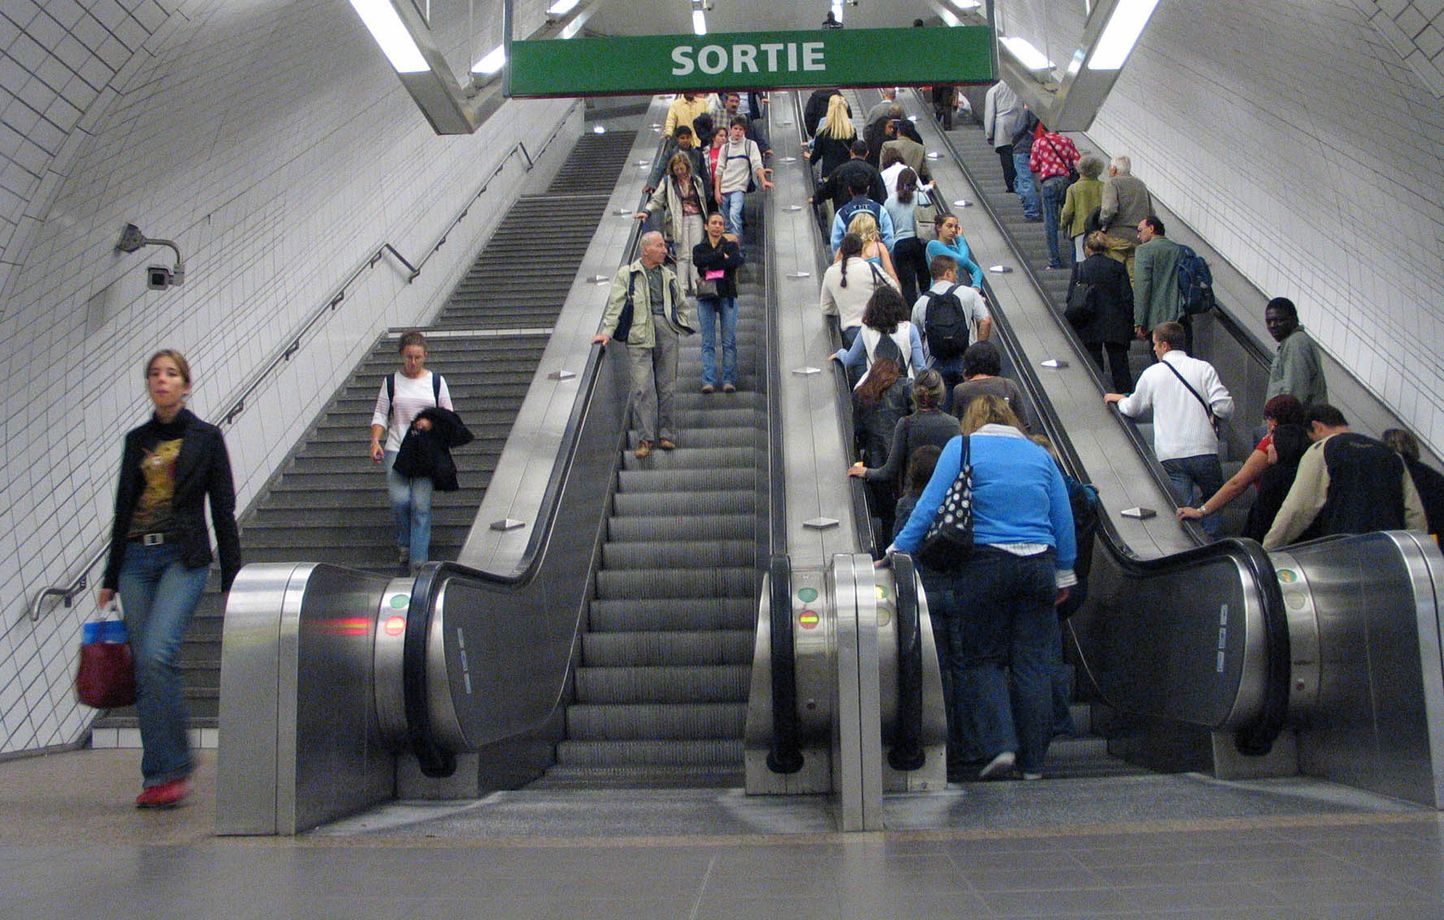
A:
{"x":1023,"y":183}
{"x":1347,"y":483}
{"x":838,"y":181}
{"x":1109,"y":325}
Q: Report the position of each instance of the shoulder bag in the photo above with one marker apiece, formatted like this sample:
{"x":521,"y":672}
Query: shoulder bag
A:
{"x":949,"y":540}
{"x":1213,"y":420}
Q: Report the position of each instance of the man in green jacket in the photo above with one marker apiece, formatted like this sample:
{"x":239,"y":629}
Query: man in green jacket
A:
{"x":1156,"y":297}
{"x":1296,"y":369}
{"x":647,"y":311}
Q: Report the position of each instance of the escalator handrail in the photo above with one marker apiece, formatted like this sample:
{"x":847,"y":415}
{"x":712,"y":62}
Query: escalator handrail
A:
{"x":1248,"y":555}
{"x":434,"y":759}
{"x":907,"y":751}
{"x":785,"y":755}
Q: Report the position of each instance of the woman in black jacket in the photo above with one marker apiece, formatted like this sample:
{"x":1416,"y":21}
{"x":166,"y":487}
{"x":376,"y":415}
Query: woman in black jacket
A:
{"x":160,"y":556}
{"x":1110,"y":323}
{"x":717,"y":259}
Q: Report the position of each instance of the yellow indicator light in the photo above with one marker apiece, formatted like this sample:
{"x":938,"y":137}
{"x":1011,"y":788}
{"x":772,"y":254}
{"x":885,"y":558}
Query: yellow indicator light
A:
{"x":394,"y":625}
{"x":808,"y":619}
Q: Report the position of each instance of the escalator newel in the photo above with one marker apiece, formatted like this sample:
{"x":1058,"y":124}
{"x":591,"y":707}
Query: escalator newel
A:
{"x":784,"y":757}
{"x":907,"y":753}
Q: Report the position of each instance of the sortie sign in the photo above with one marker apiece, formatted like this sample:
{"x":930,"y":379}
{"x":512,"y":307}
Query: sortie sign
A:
{"x":638,"y":64}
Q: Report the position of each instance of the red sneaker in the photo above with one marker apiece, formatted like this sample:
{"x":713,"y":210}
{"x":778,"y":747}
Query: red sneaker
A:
{"x":166,"y":795}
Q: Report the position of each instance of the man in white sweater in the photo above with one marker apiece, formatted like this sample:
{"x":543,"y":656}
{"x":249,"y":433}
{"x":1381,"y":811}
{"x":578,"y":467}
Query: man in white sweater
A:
{"x":740,"y":161}
{"x":1186,"y":396}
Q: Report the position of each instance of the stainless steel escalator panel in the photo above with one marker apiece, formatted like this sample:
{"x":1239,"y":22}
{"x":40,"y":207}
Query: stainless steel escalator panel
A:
{"x":1185,"y":644}
{"x":387,"y":662}
{"x":1378,"y":722}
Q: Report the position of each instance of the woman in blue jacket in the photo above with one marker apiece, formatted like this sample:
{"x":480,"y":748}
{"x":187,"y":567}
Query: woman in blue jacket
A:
{"x":1000,"y":599}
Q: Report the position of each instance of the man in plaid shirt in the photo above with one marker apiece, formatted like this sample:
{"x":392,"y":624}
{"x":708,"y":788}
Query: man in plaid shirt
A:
{"x":1052,"y":159}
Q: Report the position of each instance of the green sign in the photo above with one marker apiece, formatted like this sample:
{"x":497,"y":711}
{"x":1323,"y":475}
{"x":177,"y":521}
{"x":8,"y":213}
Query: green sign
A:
{"x":625,"y":65}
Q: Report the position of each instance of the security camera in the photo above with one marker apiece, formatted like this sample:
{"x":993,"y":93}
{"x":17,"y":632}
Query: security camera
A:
{"x":160,"y":278}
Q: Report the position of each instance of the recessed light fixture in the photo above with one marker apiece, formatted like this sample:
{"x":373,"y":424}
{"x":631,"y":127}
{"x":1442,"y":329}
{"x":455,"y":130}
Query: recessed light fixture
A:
{"x":699,"y":22}
{"x":492,"y":62}
{"x":1026,"y":53}
{"x":392,"y":35}
{"x":563,"y":7}
{"x":1125,"y":24}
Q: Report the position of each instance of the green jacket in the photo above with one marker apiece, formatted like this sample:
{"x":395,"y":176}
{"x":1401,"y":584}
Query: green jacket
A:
{"x":1156,"y":298}
{"x":1082,"y":197}
{"x":642,"y":333}
{"x":1296,"y":370}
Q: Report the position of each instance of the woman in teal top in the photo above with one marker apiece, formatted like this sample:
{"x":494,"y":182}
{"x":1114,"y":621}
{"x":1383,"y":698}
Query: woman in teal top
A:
{"x":950,"y":242}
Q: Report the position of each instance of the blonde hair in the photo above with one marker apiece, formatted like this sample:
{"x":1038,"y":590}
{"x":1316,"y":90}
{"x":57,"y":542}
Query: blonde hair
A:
{"x":989,"y":410}
{"x":180,"y":363}
{"x":865,"y":226}
{"x":838,"y":124}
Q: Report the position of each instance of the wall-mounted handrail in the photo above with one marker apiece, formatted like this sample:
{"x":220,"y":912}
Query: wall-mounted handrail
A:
{"x":282,"y":355}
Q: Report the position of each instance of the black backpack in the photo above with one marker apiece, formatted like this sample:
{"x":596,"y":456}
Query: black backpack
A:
{"x":887,"y":348}
{"x":945,"y":324}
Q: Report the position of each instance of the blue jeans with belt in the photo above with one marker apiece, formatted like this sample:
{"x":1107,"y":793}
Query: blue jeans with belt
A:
{"x":159,"y":594}
{"x":411,"y":509}
{"x":709,"y":311}
{"x":1006,"y":619}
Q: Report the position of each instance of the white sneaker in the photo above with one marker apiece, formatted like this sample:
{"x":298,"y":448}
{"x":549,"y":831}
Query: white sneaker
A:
{"x":999,"y":766}
{"x":1032,"y":776}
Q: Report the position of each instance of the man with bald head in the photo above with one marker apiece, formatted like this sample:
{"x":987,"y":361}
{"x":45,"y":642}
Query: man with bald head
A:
{"x":648,"y":312}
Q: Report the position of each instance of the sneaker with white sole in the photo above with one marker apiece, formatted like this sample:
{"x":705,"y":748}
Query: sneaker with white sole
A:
{"x":1032,"y":776}
{"x":1000,"y":766}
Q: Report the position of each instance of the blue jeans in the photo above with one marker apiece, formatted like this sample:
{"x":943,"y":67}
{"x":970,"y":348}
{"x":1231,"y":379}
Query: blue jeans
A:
{"x":1006,"y":619}
{"x":732,"y":212}
{"x":709,"y":309}
{"x":411,"y":507}
{"x":159,"y":594}
{"x":1054,"y":189}
{"x":1023,"y":185}
{"x":951,"y":370}
{"x":943,"y":601}
{"x":1202,"y":474}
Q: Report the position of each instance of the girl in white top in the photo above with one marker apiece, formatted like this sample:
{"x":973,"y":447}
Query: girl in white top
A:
{"x":847,"y":285}
{"x":416,"y":389}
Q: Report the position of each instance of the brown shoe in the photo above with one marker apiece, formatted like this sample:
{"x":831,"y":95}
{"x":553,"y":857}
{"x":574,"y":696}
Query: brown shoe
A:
{"x":667,"y":444}
{"x":644,"y":450}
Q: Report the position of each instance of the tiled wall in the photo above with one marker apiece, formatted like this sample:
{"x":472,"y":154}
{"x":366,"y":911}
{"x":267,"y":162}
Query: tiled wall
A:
{"x":1304,"y":148}
{"x":270,"y":139}
{"x":1415,"y":29}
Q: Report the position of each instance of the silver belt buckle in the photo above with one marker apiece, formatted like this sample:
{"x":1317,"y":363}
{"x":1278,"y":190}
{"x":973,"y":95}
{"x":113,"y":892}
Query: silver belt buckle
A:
{"x":153,"y":539}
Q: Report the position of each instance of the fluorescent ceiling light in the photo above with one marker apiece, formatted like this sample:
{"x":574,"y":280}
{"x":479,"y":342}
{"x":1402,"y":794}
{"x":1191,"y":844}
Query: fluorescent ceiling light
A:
{"x":699,"y":22}
{"x":837,"y":10}
{"x":1027,"y":55}
{"x":562,"y":7}
{"x":572,"y":28}
{"x":948,"y":18}
{"x":966,"y":4}
{"x":392,"y":35}
{"x":492,"y":62}
{"x":1125,"y":24}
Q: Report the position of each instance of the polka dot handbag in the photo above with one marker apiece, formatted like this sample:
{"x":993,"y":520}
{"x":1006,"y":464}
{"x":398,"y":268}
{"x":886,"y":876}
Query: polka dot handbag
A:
{"x":949,"y":540}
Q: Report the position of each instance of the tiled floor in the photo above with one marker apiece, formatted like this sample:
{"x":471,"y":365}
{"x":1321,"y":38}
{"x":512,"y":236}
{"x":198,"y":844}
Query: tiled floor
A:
{"x":71,"y":846}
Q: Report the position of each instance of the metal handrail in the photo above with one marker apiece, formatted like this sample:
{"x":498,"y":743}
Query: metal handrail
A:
{"x":282,"y":356}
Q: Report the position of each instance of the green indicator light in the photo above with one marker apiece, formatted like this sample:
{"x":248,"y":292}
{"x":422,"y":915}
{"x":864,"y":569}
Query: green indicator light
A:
{"x":399,"y":600}
{"x":807,"y":595}
{"x":881,"y":593}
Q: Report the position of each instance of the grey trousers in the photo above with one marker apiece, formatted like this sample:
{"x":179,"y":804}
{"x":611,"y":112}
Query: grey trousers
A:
{"x":654,"y":382}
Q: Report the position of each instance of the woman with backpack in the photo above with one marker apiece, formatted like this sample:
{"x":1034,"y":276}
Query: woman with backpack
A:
{"x":848,"y":285}
{"x":887,"y":332}
{"x":1100,"y":309}
{"x":402,"y":398}
{"x":928,"y":424}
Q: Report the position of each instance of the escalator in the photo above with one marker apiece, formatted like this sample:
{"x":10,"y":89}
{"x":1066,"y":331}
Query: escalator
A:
{"x":1192,"y":656}
{"x":662,"y":681}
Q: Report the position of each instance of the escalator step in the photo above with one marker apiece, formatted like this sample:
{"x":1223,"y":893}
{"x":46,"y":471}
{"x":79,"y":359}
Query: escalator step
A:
{"x":644,"y":721}
{"x":665,"y":503}
{"x":633,"y":528}
{"x":675,"y":613}
{"x":630,"y":649}
{"x":736,"y":581}
{"x":693,"y":458}
{"x":651,"y":754}
{"x":729,"y":553}
{"x":663,"y":684}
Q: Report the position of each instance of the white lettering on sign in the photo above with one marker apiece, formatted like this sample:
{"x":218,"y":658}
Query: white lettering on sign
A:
{"x":683,"y":62}
{"x":744,"y":59}
{"x":712,"y":59}
{"x":715,"y":59}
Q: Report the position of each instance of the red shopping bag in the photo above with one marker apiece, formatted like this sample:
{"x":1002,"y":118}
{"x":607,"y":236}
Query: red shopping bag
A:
{"x":106,"y":678}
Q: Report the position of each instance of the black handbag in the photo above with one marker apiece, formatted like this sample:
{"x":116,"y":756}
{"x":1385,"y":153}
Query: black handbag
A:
{"x":949,"y":540}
